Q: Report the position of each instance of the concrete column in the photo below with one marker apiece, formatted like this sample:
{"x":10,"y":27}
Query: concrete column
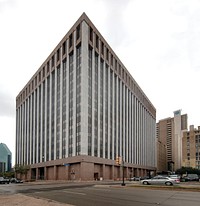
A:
{"x":86,"y":171}
{"x":45,"y":173}
{"x":103,"y":171}
{"x":84,"y":89}
{"x":55,"y":172}
{"x":112,"y":172}
{"x":126,"y":172}
{"x":37,"y":173}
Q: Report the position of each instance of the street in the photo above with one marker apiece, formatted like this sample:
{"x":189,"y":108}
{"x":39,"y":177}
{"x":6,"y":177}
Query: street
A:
{"x":103,"y":195}
{"x":84,"y":194}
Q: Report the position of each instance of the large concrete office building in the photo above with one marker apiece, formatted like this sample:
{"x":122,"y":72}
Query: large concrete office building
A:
{"x":169,"y":141}
{"x":81,"y":110}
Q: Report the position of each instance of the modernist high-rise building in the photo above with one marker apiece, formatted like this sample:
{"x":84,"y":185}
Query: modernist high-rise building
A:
{"x":191,"y":148}
{"x":81,"y":110}
{"x":5,"y":158}
{"x":169,"y":141}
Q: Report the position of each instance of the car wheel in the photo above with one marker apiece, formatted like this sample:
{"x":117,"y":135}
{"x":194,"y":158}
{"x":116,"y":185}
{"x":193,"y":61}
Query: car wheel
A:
{"x":145,"y":183}
{"x":168,"y":183}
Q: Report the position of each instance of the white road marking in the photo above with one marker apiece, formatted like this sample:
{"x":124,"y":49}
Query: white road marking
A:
{"x":76,"y":193}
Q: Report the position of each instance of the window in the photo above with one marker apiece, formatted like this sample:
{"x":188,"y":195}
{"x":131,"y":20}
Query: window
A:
{"x":91,"y":34}
{"x":119,"y":70}
{"x":78,"y":32}
{"x":97,"y":42}
{"x":64,"y":48}
{"x":107,"y":54}
{"x":52,"y":61}
{"x":43,"y":72}
{"x":39,"y":76}
{"x":58,"y":55}
{"x":112,"y":60}
{"x":36,"y":81}
{"x":47,"y":67}
{"x":32,"y":85}
{"x":115,"y":65}
{"x":70,"y":40}
{"x":102,"y":48}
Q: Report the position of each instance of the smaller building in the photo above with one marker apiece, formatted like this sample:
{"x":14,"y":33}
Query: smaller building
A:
{"x":5,"y":158}
{"x":169,"y":133}
{"x":191,"y":148}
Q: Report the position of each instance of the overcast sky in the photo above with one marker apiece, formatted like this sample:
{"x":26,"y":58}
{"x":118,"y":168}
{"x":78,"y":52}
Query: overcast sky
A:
{"x":158,"y":41}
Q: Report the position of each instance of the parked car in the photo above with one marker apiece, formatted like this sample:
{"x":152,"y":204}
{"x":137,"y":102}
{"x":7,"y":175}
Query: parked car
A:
{"x":145,"y":177}
{"x":134,"y":179}
{"x":160,"y":180}
{"x":16,"y":180}
{"x":190,"y":177}
{"x":138,"y":178}
{"x":176,"y":177}
{"x":4,"y":180}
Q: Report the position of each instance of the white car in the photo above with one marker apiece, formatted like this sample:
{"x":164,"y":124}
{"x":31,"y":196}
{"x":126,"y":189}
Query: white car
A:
{"x":160,"y":180}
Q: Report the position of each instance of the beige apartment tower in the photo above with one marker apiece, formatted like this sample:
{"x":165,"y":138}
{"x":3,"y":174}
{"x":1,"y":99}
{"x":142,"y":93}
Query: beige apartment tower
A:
{"x":169,"y":142}
{"x":81,"y":110}
{"x":191,"y":148}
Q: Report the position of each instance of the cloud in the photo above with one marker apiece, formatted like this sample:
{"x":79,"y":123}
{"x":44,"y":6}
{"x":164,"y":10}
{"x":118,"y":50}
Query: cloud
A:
{"x":7,"y":105}
{"x":114,"y":21}
{"x":4,"y":4}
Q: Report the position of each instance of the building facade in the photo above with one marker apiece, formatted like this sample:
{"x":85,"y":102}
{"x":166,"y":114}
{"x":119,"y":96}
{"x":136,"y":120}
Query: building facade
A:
{"x":81,"y":110}
{"x":5,"y":158}
{"x":169,"y":134}
{"x":191,"y":148}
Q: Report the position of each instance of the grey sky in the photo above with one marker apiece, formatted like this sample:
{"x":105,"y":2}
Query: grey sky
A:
{"x":157,"y":40}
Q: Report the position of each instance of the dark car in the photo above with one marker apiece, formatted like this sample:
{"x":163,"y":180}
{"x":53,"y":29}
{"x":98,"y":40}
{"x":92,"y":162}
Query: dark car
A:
{"x":138,"y":178}
{"x":135,"y":179}
{"x":16,"y":180}
{"x":190,"y":177}
{"x":4,"y":180}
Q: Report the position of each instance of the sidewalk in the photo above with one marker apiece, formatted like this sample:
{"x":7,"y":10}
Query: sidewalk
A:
{"x":23,"y":200}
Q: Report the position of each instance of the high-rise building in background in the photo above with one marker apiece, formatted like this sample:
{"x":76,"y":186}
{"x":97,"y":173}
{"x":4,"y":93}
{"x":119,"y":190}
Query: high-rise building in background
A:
{"x":191,"y":148}
{"x":5,"y":158}
{"x":169,"y":140}
{"x":81,"y":110}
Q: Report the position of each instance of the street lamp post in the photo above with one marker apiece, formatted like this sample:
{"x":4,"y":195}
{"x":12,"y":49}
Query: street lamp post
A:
{"x":123,"y":184}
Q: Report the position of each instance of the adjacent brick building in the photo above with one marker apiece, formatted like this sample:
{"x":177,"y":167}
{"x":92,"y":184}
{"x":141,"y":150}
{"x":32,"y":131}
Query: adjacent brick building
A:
{"x":191,"y":148}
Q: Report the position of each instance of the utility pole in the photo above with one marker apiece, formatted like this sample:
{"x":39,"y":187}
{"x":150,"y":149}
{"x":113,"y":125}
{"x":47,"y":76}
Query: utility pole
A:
{"x":120,"y":161}
{"x":123,"y":184}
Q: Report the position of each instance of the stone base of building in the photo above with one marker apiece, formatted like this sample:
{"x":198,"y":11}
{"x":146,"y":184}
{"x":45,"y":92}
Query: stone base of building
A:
{"x":85,"y":168}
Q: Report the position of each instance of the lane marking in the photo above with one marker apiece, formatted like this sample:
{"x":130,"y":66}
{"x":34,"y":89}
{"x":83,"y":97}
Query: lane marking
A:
{"x":76,"y":193}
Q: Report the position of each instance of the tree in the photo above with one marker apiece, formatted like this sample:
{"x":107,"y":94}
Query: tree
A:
{"x":21,"y":169}
{"x":188,"y":170}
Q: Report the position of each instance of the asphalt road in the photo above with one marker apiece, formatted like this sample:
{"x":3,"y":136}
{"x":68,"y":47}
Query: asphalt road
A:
{"x":89,"y":194}
{"x":103,"y":195}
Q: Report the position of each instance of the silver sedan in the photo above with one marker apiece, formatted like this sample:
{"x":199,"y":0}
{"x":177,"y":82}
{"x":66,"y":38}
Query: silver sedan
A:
{"x":160,"y":180}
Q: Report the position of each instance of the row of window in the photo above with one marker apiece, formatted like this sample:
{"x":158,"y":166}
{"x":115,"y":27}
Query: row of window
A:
{"x":53,"y":61}
{"x":36,"y":120}
{"x":101,"y":48}
{"x":109,"y":57}
{"x":103,"y":140}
